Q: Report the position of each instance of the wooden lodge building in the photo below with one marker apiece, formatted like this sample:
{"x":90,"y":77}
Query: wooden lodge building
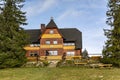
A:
{"x":53,"y":42}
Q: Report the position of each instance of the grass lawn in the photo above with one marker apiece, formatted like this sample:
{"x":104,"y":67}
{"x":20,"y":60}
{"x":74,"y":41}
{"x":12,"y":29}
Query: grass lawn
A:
{"x":59,"y":74}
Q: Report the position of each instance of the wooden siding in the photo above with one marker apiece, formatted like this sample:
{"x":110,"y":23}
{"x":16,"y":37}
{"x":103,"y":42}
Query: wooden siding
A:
{"x":32,"y":48}
{"x":51,"y":46}
{"x":51,"y":36}
{"x":69,"y":47}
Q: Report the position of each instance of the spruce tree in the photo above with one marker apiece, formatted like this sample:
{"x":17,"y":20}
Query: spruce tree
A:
{"x":85,"y":54}
{"x":111,"y":51}
{"x":12,"y":36}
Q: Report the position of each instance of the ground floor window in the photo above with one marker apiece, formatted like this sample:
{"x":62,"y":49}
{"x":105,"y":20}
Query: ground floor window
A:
{"x":53,"y":53}
{"x":70,"y":53}
{"x":33,"y":53}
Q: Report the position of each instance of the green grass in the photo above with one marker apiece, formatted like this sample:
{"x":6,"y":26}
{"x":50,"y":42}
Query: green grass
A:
{"x":59,"y":74}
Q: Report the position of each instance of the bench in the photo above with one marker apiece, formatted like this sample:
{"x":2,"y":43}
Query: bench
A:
{"x":100,"y":65}
{"x":80,"y":63}
{"x":105,"y":65}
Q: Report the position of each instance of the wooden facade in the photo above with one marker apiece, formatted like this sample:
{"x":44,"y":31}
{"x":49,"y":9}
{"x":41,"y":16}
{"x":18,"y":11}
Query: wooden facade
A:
{"x":53,"y":42}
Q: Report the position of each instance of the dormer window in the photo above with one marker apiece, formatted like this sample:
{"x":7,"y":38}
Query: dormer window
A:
{"x":51,"y":31}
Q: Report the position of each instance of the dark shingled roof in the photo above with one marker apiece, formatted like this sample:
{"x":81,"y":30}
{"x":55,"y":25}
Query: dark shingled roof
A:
{"x":51,"y":24}
{"x":34,"y":35}
{"x":70,"y":34}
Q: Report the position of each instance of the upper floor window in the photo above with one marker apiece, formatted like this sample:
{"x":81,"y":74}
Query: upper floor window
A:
{"x":55,"y":42}
{"x":53,"y":53}
{"x":34,"y":45}
{"x":47,"y":42}
{"x":69,"y":44}
{"x":51,"y":31}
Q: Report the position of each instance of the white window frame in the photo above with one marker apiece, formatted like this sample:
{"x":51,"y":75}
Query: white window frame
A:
{"x":70,"y":53}
{"x":69,"y":44}
{"x":47,"y":42}
{"x":55,"y":42}
{"x":34,"y":45}
{"x":51,"y":31}
{"x":31,"y":45}
{"x":53,"y":53}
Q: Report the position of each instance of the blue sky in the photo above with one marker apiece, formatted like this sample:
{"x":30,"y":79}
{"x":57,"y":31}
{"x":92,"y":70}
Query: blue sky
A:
{"x":89,"y":16}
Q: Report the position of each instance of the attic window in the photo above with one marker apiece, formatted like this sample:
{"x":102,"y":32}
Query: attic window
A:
{"x":51,"y":31}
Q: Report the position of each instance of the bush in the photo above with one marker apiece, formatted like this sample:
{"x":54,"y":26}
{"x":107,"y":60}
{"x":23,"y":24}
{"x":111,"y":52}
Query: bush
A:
{"x":115,"y":62}
{"x":62,"y":63}
{"x":45,"y":63}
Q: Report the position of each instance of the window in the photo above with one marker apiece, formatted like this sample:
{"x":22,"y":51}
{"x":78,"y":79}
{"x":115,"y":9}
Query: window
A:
{"x":34,"y":45}
{"x":69,"y":44}
{"x":65,"y":44}
{"x":47,"y":42}
{"x":51,"y":31}
{"x":38,"y":44}
{"x":33,"y":53}
{"x":31,"y":45}
{"x":55,"y":42}
{"x":53,"y":53}
{"x":70,"y":53}
{"x":73,"y":44}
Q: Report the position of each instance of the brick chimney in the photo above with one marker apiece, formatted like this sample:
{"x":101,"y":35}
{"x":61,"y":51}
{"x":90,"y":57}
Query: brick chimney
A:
{"x":42,"y":27}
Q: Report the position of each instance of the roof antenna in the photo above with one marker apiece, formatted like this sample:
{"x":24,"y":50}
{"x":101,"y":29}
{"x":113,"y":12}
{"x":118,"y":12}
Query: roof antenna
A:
{"x":51,"y":18}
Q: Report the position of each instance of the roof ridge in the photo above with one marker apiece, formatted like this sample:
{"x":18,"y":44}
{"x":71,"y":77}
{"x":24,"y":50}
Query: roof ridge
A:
{"x":51,"y":24}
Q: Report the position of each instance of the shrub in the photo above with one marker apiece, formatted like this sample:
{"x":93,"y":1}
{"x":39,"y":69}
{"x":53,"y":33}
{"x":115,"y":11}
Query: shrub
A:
{"x":115,"y":62}
{"x":62,"y":63}
{"x":45,"y":63}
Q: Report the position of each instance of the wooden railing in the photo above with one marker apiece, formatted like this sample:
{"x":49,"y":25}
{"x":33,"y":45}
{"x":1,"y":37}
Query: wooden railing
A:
{"x":52,"y":58}
{"x":31,"y":48}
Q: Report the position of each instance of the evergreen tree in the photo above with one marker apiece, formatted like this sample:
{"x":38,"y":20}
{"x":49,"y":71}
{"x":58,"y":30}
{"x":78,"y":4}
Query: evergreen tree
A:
{"x":12,"y":35}
{"x":85,"y":54}
{"x":112,"y":49}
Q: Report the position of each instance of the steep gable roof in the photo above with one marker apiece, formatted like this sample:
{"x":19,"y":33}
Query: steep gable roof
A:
{"x":66,"y":32}
{"x":51,"y":24}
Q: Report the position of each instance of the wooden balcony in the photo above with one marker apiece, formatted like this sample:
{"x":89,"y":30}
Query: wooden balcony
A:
{"x":53,"y":58}
{"x":51,"y":46}
{"x":43,"y":58}
{"x":31,"y":48}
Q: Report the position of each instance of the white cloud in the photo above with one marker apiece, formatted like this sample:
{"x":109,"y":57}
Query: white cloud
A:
{"x":70,"y":13}
{"x":39,"y":7}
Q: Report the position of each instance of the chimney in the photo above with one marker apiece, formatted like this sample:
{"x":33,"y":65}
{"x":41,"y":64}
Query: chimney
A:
{"x":42,"y":27}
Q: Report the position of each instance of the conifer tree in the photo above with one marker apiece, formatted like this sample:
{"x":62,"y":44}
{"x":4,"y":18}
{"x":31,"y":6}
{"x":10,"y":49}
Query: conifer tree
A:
{"x":111,"y":50}
{"x":85,"y":54}
{"x":12,"y":35}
